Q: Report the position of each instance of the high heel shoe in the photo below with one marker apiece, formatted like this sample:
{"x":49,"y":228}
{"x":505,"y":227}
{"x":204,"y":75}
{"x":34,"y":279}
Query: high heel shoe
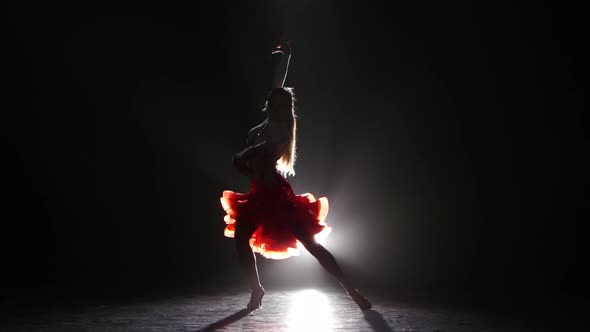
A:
{"x":256,"y":299}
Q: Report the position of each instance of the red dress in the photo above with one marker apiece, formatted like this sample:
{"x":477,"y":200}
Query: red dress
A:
{"x":274,"y":210}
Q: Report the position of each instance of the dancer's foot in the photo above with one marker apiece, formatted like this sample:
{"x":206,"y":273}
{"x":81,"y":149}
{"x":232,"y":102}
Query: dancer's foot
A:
{"x":256,"y":298}
{"x":360,"y":300}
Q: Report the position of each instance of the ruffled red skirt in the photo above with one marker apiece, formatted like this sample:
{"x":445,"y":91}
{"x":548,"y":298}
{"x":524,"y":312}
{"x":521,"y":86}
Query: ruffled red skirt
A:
{"x":274,"y":212}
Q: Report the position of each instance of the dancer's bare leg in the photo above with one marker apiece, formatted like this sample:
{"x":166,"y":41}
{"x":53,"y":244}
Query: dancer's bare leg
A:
{"x":248,"y":261}
{"x":328,"y":262}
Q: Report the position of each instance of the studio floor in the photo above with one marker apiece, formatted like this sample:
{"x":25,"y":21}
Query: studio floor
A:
{"x":290,"y":310}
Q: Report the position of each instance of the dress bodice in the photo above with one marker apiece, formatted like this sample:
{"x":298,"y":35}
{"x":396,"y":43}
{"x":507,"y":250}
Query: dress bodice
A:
{"x":276,"y":136}
{"x":273,"y":132}
{"x":255,"y":134}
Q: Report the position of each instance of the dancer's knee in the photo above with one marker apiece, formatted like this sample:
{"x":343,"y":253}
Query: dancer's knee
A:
{"x":312,"y":246}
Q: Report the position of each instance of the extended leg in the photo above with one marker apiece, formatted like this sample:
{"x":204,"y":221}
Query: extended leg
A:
{"x":248,"y":261}
{"x":328,"y":262}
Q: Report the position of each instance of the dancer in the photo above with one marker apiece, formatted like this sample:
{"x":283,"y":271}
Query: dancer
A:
{"x":271,"y":219}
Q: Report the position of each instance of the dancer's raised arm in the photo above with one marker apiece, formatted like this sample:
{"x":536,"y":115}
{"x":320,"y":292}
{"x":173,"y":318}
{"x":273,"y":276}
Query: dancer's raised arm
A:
{"x":284,"y":48}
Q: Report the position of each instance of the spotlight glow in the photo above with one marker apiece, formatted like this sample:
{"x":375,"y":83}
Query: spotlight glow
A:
{"x":310,"y":311}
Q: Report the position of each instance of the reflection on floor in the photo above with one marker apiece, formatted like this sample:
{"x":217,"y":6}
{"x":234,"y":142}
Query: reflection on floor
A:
{"x":301,"y":310}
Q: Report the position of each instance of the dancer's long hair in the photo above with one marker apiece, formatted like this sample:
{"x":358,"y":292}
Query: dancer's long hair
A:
{"x":286,"y":162}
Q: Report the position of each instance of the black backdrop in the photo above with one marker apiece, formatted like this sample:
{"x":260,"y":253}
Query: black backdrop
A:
{"x":448,"y":137}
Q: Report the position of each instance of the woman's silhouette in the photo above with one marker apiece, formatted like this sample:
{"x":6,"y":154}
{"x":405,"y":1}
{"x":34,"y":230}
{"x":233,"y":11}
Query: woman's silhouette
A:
{"x":271,"y":219}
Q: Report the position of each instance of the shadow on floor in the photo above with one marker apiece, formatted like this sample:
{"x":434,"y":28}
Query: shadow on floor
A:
{"x":226,"y":321}
{"x":376,"y":320}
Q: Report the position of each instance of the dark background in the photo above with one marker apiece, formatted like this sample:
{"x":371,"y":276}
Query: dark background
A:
{"x":448,"y":137}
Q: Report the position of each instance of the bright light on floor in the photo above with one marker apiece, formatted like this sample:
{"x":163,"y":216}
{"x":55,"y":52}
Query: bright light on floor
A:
{"x":310,"y":311}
